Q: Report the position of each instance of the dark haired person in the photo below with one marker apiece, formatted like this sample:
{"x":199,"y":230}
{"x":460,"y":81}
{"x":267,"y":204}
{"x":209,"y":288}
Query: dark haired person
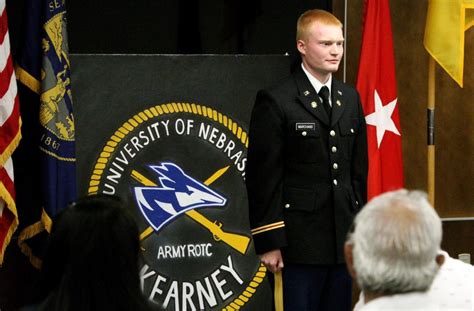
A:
{"x":307,"y":170}
{"x":91,"y":261}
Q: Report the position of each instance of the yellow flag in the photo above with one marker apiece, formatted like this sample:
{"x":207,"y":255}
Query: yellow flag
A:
{"x":446,"y":22}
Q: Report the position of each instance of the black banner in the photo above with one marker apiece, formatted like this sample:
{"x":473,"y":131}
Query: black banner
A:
{"x":168,"y":134}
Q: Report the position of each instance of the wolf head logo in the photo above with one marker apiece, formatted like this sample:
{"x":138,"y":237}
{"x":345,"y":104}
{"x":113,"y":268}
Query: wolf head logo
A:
{"x":175,"y":194}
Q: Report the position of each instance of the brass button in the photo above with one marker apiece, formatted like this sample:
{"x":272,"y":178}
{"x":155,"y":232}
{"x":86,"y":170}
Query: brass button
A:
{"x":333,"y":149}
{"x":332,"y":133}
{"x":303,"y":133}
{"x":334,"y":181}
{"x":314,"y":104}
{"x":287,"y":205}
{"x":335,"y":166}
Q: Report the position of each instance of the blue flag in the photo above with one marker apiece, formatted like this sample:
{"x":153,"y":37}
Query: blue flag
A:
{"x":47,"y":165}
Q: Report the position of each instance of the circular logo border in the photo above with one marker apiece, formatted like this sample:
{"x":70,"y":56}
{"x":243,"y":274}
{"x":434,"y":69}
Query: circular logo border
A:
{"x":170,"y":108}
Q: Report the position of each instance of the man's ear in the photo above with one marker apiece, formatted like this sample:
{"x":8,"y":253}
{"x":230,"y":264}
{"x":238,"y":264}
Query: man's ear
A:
{"x":440,"y":259}
{"x":301,"y":46}
{"x":348,"y":247}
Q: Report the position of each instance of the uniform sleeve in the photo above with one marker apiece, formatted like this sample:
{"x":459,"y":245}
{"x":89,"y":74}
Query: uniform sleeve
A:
{"x":264,"y":174}
{"x":360,"y":159}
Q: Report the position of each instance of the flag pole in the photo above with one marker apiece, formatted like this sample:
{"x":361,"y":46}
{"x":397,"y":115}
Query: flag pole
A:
{"x":430,"y":131}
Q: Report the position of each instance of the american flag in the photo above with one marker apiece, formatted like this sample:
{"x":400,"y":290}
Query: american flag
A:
{"x":10,"y":135}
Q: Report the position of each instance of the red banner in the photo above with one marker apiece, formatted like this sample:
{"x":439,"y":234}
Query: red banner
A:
{"x":377,"y":86}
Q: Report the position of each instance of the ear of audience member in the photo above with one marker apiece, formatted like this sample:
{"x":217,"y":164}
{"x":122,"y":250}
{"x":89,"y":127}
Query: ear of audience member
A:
{"x":91,"y":262}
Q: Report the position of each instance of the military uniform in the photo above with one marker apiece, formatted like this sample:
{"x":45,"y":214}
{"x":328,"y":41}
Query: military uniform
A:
{"x":306,"y":174}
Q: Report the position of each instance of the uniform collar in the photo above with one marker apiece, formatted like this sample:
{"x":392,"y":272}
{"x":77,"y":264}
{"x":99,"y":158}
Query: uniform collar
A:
{"x":317,"y":85}
{"x":313,"y":103}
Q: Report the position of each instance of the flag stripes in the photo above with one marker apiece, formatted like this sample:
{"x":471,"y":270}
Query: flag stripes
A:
{"x":10,"y":135}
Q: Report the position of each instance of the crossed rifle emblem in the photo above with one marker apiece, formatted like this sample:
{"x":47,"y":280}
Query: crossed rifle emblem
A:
{"x":178,"y":193}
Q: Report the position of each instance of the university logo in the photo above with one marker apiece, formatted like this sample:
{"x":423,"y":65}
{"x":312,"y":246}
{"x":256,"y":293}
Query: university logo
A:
{"x":176,"y":194}
{"x":180,"y":168}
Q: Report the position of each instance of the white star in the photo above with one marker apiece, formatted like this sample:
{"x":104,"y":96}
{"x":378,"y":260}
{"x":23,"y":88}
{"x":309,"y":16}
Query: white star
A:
{"x":381,"y":118}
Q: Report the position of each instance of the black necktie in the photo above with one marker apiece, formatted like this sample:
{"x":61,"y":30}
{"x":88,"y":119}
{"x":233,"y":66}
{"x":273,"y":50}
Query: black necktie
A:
{"x":324,"y":93}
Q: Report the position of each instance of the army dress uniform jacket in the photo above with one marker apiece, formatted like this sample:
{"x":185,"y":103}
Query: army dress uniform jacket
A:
{"x":306,"y":175}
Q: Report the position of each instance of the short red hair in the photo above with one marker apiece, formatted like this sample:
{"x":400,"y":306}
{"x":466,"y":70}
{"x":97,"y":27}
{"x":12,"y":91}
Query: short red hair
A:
{"x":312,"y":16}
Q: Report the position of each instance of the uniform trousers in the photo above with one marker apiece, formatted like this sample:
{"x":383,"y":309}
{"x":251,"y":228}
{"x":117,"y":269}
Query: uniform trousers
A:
{"x":316,"y":288}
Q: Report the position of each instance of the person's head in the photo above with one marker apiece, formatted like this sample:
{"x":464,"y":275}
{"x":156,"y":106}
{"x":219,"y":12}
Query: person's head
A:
{"x":395,"y":245}
{"x":91,"y":261}
{"x":319,"y":40}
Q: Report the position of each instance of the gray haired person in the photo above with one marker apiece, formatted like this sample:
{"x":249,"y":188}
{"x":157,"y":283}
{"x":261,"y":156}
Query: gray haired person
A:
{"x":394,"y":251}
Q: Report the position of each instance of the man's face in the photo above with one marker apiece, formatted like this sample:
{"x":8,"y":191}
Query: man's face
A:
{"x":321,"y":50}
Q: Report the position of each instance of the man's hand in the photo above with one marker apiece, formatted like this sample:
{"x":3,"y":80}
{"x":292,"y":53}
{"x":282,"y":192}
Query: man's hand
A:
{"x":272,"y":260}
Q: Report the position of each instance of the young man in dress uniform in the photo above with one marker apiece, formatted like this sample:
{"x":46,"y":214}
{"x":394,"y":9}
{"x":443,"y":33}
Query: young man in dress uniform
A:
{"x":307,"y":171}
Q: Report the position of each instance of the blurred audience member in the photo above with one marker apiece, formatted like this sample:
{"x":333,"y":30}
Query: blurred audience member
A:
{"x":452,"y":288}
{"x":394,"y":251}
{"x":91,"y":262}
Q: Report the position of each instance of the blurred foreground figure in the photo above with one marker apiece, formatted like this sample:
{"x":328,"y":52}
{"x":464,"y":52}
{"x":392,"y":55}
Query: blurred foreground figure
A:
{"x":394,"y":251}
{"x":453,"y":285}
{"x":91,"y":262}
